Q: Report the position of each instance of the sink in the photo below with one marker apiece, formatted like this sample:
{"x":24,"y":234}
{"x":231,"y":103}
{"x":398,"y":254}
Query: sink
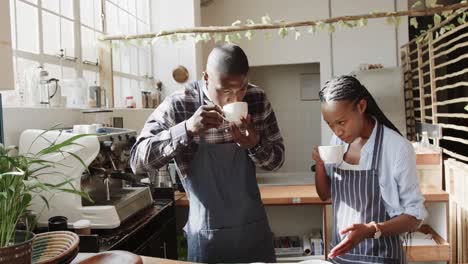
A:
{"x":121,"y":193}
{"x":126,"y":201}
{"x":116,"y":197}
{"x":285,"y":178}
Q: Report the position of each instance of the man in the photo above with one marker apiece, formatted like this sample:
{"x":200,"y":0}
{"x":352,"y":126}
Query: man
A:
{"x":216,"y":159}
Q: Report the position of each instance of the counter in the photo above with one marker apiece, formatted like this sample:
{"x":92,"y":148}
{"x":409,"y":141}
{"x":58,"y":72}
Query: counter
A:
{"x":146,"y":260}
{"x":150,"y":232}
{"x":307,"y":194}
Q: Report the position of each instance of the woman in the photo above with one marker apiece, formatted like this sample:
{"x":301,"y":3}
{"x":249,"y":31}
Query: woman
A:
{"x":375,"y":190}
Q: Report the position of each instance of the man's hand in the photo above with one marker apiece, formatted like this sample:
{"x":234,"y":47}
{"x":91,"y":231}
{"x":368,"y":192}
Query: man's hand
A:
{"x":206,"y":117}
{"x":356,"y":234}
{"x":249,"y":138}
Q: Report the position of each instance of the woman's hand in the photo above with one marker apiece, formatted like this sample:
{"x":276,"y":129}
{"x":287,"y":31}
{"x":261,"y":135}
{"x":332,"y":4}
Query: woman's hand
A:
{"x":356,"y":234}
{"x":322,"y":181}
{"x":316,"y":157}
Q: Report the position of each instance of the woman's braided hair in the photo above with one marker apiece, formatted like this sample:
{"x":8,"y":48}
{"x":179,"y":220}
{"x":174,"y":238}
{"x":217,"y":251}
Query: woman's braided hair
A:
{"x":348,"y":88}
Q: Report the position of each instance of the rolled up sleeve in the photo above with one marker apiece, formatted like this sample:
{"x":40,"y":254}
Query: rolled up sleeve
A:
{"x":160,"y":140}
{"x":410,"y":196}
{"x":270,"y":153}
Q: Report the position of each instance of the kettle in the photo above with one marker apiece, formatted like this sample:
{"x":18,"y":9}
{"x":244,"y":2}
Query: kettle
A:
{"x":161,"y":179}
{"x":97,"y":96}
{"x":50,"y":92}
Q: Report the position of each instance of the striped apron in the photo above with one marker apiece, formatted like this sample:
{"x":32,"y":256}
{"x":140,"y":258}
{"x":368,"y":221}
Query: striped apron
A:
{"x":356,"y":199}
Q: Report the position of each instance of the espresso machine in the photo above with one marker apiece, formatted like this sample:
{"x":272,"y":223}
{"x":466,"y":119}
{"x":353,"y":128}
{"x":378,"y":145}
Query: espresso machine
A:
{"x":106,"y":178}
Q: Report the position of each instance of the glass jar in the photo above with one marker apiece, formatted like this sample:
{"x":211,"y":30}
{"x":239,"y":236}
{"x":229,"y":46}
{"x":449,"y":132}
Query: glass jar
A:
{"x":130,"y":102}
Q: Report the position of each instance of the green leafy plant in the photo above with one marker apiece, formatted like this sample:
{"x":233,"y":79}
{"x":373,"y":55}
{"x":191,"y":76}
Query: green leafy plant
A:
{"x":20,"y":182}
{"x":239,"y":30}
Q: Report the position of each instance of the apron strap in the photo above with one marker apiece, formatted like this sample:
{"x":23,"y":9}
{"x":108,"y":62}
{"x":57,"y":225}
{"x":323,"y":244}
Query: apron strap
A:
{"x":376,"y":154}
{"x":199,"y":86}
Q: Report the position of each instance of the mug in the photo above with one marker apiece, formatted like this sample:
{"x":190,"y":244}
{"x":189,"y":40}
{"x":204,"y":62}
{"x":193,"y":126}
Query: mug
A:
{"x":235,"y":111}
{"x":331,"y":154}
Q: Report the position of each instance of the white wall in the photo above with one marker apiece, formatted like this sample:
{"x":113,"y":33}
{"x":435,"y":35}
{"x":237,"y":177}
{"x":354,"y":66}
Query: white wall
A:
{"x":376,"y":43}
{"x":339,"y":53}
{"x":385,"y":85}
{"x":132,"y":118}
{"x":274,"y":51}
{"x":297,"y":119}
{"x":6,"y":65}
{"x":169,"y":15}
{"x":18,"y":119}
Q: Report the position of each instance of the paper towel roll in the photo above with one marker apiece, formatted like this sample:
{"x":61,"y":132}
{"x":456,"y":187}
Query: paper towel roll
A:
{"x":306,"y":245}
{"x":316,"y":245}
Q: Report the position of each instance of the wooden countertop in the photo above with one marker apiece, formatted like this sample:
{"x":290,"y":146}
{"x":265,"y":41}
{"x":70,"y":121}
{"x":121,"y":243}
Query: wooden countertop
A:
{"x":151,"y":260}
{"x":277,"y":195}
{"x":146,"y":260}
{"x":306,"y":194}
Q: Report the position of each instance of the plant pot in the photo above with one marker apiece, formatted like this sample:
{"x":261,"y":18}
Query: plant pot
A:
{"x":19,"y":252}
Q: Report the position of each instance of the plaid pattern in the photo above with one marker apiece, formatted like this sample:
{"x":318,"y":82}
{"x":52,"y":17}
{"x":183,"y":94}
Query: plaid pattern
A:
{"x":164,"y":136}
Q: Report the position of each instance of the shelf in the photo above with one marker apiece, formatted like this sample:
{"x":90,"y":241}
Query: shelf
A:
{"x":278,"y":195}
{"x":428,"y":158}
{"x":439,"y":252}
{"x":307,"y":195}
{"x":299,"y":258}
{"x":284,"y":195}
{"x":433,"y":194}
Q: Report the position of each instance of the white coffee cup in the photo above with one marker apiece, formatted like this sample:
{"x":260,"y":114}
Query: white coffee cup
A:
{"x":84,"y":129}
{"x":82,"y":227}
{"x":235,"y":111}
{"x":331,"y":154}
{"x":90,"y":129}
{"x":78,"y":129}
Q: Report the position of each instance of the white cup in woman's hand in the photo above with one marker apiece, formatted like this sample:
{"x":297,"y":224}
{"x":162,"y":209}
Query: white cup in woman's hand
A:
{"x":331,"y":154}
{"x":234,"y":112}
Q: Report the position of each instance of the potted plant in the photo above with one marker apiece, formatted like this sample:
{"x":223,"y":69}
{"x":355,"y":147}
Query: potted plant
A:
{"x":19,"y":184}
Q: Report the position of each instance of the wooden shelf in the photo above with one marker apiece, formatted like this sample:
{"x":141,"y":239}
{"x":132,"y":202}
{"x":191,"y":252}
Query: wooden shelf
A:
{"x":433,"y":194}
{"x":297,"y":194}
{"x":439,"y":252}
{"x":307,"y":195}
{"x":428,"y":159}
{"x":280,"y":259}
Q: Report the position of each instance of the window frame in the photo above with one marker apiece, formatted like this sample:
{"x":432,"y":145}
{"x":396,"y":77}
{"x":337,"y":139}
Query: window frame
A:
{"x":76,"y":60}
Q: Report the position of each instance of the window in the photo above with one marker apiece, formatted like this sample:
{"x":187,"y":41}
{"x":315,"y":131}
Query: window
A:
{"x":130,"y":63}
{"x":61,"y":36}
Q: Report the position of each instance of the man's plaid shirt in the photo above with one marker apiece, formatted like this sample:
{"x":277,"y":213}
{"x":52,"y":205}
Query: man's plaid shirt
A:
{"x":164,"y":135}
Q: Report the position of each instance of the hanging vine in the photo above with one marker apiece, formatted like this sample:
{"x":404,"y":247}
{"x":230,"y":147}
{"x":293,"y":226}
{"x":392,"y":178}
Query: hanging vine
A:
{"x":238,"y":30}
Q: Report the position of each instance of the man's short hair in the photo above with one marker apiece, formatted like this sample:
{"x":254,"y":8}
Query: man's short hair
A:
{"x":228,"y":59}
